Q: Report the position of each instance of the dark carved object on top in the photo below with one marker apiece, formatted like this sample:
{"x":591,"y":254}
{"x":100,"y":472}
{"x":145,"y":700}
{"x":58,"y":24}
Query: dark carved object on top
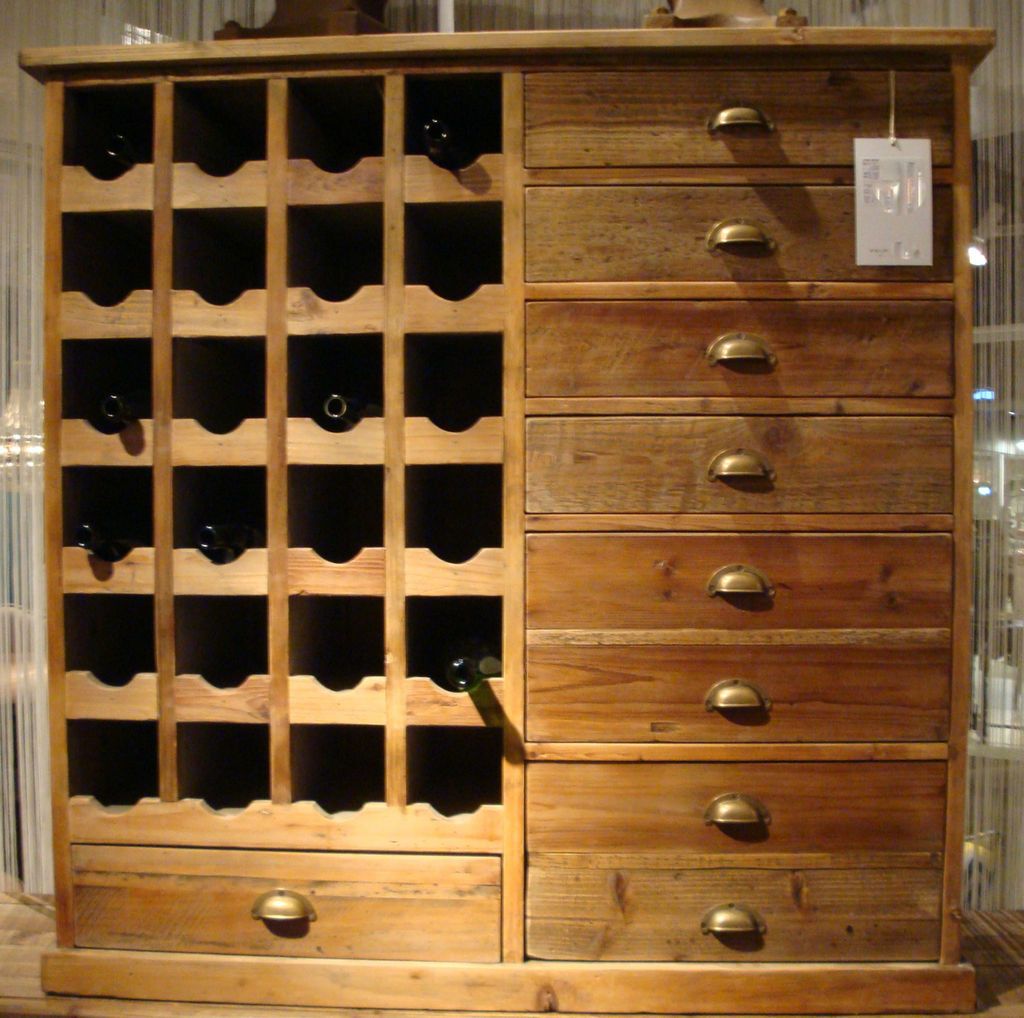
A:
{"x":314,"y":17}
{"x":722,"y":14}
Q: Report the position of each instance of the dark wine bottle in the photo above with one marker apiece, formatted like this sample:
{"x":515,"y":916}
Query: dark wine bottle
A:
{"x":445,"y":148}
{"x":114,"y":413}
{"x":468,"y":664}
{"x":113,"y":154}
{"x":342,"y":413}
{"x":101,"y":545}
{"x":222,"y":543}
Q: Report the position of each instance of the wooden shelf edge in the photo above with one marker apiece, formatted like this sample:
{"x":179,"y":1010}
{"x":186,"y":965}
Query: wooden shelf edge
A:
{"x":310,"y":573}
{"x":310,"y":702}
{"x":311,"y":445}
{"x":83,"y":574}
{"x":801,"y":290}
{"x":192,"y":445}
{"x":901,"y":523}
{"x":82,"y":318}
{"x":482,"y":181}
{"x":580,"y":987}
{"x":363,"y":183}
{"x":426,"y":703}
{"x":310,"y":315}
{"x":196,"y":699}
{"x":192,"y":315}
{"x":80,"y":191}
{"x":741,"y":752}
{"x":193,"y":188}
{"x":426,"y":443}
{"x":196,"y":574}
{"x":430,"y":576}
{"x":81,"y":445}
{"x":482,"y":311}
{"x":87,"y":697}
{"x":837,"y":406}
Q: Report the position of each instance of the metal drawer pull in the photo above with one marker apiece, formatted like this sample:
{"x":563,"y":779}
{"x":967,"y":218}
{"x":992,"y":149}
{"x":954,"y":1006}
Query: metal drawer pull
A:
{"x":740,"y":116}
{"x":736,"y":695}
{"x":740,"y":579}
{"x":724,"y":920}
{"x":737,"y":464}
{"x":740,"y":347}
{"x":735,"y":810}
{"x":280,"y":906}
{"x":738,"y":232}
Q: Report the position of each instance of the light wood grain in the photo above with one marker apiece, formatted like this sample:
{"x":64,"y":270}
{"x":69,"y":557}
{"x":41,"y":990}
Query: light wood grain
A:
{"x":310,"y":573}
{"x":196,"y":574}
{"x":749,"y":406}
{"x":911,"y":637}
{"x":481,"y":443}
{"x":703,"y":175}
{"x":311,"y":703}
{"x":426,"y":703}
{"x":648,"y":348}
{"x":660,"y":118}
{"x":302,"y":826}
{"x":821,"y":581}
{"x":193,"y":446}
{"x":720,"y":752}
{"x":482,"y":311}
{"x":85,"y":696}
{"x":82,"y":318}
{"x":244,"y":316}
{"x":82,"y":445}
{"x":649,"y":807}
{"x":310,"y":185}
{"x":658,"y":694}
{"x":662,"y":464}
{"x":196,"y":700}
{"x":196,"y":189}
{"x":645,"y":914}
{"x":310,"y":444}
{"x":703,"y":289}
{"x":482,"y":575}
{"x":310,"y":315}
{"x":481,"y":181}
{"x":651,"y":233}
{"x":82,"y":192}
{"x":84,"y":574}
{"x":738,"y":522}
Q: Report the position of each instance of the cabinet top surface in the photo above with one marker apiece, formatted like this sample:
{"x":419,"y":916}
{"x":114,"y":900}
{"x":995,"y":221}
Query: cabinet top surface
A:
{"x":930,"y":45}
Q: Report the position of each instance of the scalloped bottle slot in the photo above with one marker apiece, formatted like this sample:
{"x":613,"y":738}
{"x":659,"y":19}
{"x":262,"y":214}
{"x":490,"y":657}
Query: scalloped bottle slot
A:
{"x":336,"y":511}
{"x":107,"y":130}
{"x":339,"y":767}
{"x":467,"y":105}
{"x":219,"y":382}
{"x":205,"y":496}
{"x":456,"y":770}
{"x":112,"y":637}
{"x":335,"y":122}
{"x":454,"y":249}
{"x":119,"y":500}
{"x":321,"y":366}
{"x":94,"y":371}
{"x":436,"y":627}
{"x":335,"y":250}
{"x":223,"y":639}
{"x":453,"y":510}
{"x":226,"y":765}
{"x":339,"y":640}
{"x":220,"y":125}
{"x":107,"y":255}
{"x":115,"y":761}
{"x":220,"y":253}
{"x":453,"y":380}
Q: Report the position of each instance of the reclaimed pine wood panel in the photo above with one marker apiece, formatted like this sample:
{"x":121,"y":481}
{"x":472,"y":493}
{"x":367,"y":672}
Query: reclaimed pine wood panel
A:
{"x":660,"y":118}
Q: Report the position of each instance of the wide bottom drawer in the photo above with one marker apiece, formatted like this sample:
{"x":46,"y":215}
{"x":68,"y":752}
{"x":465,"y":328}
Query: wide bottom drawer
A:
{"x":416,"y":907}
{"x":581,"y":907}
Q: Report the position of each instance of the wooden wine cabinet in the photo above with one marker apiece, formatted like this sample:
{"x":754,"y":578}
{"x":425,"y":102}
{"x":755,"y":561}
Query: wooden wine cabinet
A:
{"x":723,"y":768}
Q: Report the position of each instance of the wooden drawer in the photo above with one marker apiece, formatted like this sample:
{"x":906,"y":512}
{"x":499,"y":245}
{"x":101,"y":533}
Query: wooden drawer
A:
{"x":660,"y":581}
{"x":815,"y":348}
{"x":654,"y":233}
{"x":670,"y":693}
{"x":813,"y":464}
{"x":661,"y":118}
{"x":368,"y":906}
{"x":582,"y":907}
{"x":816,"y":807}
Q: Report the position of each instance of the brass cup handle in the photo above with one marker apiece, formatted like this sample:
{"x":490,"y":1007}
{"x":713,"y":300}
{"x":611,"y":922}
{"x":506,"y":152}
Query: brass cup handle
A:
{"x":739,"y":464}
{"x":739,"y":116}
{"x":740,"y":579}
{"x":736,"y":695}
{"x":738,"y":232}
{"x":735,"y":810}
{"x":739,"y":347}
{"x":724,"y":920}
{"x":280,"y":905}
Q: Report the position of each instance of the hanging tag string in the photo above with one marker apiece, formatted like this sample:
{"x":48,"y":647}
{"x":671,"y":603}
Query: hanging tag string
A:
{"x":892,"y":107}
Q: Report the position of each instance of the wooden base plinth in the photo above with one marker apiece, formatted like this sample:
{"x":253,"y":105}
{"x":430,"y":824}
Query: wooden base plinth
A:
{"x":532,"y":987}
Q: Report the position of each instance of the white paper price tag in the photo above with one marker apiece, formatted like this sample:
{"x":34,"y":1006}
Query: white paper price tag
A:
{"x":893,"y":201}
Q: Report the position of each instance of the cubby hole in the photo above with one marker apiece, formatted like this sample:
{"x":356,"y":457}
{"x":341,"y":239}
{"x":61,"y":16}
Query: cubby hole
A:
{"x":219,"y":382}
{"x":437,"y":627}
{"x":454,"y":510}
{"x":454,"y":248}
{"x":219,"y":496}
{"x":335,"y":122}
{"x":336,"y":511}
{"x":117,"y":501}
{"x":109,"y":635}
{"x":469,"y":105}
{"x":220,"y":125}
{"x":222,"y":638}
{"x":339,"y":640}
{"x":453,"y":379}
{"x":339,"y":767}
{"x":335,"y":250}
{"x":226,"y":765}
{"x":114,"y":761}
{"x":107,"y":255}
{"x":456,"y":770}
{"x":323,"y":366}
{"x":108,"y":129}
{"x":219,"y":253}
{"x":94,"y":371}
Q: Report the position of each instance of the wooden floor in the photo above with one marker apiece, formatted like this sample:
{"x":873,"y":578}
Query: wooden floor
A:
{"x":994,"y":942}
